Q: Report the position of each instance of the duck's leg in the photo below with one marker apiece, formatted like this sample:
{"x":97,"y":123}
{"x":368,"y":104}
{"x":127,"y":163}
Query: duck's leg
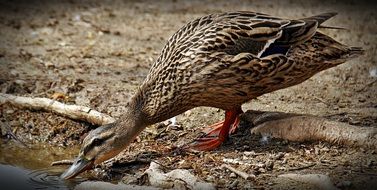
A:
{"x":214,"y":129}
{"x":219,"y":132}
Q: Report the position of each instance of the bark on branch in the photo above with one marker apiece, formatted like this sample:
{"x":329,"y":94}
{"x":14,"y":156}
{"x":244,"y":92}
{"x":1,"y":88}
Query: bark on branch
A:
{"x":300,"y":128}
{"x":71,"y":111}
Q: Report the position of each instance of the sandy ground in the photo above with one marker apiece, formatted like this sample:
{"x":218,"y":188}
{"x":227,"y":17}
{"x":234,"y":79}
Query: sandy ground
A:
{"x":96,"y":53}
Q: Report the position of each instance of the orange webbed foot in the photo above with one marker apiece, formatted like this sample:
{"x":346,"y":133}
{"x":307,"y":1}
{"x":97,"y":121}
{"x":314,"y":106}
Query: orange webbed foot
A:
{"x":206,"y":143}
{"x":217,"y":133}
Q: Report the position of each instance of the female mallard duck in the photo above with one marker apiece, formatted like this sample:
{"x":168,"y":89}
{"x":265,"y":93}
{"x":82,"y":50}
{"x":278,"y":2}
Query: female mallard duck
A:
{"x":221,"y":61}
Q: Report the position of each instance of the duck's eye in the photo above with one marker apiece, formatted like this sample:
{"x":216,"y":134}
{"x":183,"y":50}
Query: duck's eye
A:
{"x":96,"y":142}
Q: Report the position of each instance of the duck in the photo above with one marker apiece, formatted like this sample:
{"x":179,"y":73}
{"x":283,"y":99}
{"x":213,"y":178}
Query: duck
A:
{"x":220,"y":60}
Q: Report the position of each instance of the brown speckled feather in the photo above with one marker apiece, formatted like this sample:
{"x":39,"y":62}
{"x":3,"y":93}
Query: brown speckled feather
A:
{"x":225,"y":60}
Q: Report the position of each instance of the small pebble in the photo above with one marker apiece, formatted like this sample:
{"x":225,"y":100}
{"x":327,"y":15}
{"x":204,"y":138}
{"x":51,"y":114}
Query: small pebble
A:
{"x":232,"y":175}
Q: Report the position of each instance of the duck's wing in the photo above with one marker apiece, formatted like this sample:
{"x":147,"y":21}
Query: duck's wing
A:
{"x":182,"y":39}
{"x":298,"y":31}
{"x":258,"y":34}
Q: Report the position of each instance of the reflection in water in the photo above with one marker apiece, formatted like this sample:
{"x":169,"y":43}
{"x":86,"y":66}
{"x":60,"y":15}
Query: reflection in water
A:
{"x":14,"y":158}
{"x":12,"y":177}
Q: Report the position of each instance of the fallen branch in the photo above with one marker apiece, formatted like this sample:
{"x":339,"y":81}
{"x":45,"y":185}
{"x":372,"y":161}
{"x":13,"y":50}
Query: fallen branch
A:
{"x":301,"y":128}
{"x":62,"y":162}
{"x":71,"y":111}
{"x":176,"y":179}
{"x":238,"y":172}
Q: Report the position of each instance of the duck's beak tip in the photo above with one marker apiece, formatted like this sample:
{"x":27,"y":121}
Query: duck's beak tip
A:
{"x":80,"y":165}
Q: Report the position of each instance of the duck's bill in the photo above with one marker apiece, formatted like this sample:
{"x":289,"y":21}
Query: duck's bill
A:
{"x":80,"y":165}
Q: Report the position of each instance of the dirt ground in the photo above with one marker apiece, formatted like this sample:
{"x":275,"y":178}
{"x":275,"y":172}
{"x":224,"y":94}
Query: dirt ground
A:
{"x":96,"y":53}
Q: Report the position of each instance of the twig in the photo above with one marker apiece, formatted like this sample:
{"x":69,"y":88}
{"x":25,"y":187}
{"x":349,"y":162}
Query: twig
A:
{"x":72,"y":111}
{"x":8,"y":132}
{"x":302,"y":167}
{"x":162,"y":165}
{"x":238,"y":172}
{"x":367,"y":85}
{"x":62,"y":162}
{"x":321,"y":100}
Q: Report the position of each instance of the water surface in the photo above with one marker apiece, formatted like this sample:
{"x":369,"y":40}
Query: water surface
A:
{"x":30,"y":168}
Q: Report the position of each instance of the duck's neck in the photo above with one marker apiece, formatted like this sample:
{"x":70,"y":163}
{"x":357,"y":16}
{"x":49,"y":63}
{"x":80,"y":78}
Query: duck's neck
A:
{"x":135,"y":109}
{"x":153,"y":111}
{"x":130,"y":124}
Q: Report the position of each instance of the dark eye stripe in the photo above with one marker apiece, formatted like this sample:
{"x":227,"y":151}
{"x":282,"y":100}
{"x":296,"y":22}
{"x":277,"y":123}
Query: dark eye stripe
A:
{"x":96,"y":142}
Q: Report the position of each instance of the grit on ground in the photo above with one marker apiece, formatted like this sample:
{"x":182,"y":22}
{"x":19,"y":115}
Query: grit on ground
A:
{"x":96,"y":54}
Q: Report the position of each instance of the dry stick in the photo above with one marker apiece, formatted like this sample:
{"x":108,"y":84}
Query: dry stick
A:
{"x":72,"y":111}
{"x":302,"y":167}
{"x":301,"y":128}
{"x":5,"y":130}
{"x":62,"y":162}
{"x":238,"y":172}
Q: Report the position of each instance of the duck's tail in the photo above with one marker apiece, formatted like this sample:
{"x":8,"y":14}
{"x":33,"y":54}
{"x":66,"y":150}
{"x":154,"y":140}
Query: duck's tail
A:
{"x":334,"y":52}
{"x":300,"y":30}
{"x":355,"y":51}
{"x":343,"y":51}
{"x":325,"y":52}
{"x":321,"y":18}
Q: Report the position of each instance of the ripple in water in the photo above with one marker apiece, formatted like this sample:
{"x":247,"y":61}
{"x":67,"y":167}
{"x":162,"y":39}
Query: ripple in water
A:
{"x":12,"y":177}
{"x":45,"y":179}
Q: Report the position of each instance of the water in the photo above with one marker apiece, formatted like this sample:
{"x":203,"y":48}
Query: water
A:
{"x":12,"y":177}
{"x":29,"y":168}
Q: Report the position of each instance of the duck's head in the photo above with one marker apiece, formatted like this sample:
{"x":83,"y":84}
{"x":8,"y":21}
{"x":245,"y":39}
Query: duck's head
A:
{"x":104,"y":143}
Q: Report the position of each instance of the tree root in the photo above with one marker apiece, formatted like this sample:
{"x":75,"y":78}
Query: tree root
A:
{"x":301,"y":128}
{"x":71,"y":111}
